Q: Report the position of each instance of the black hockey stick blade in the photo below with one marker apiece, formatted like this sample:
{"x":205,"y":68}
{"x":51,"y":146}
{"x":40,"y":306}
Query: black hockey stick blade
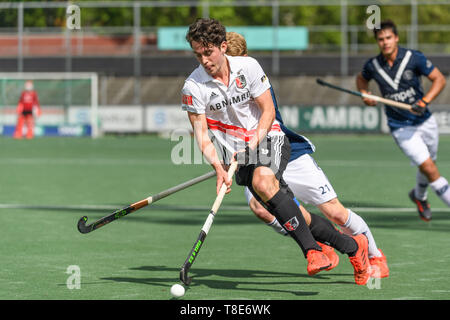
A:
{"x":82,"y":225}
{"x":184,"y":277}
{"x":86,"y":228}
{"x":83,"y":228}
{"x":320,"y":81}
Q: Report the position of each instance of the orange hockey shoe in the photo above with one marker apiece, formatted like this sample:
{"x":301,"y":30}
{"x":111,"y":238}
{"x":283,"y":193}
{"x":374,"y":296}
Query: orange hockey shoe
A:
{"x":331,"y":254}
{"x":379,"y":267}
{"x":360,"y":261}
{"x":317,"y":261}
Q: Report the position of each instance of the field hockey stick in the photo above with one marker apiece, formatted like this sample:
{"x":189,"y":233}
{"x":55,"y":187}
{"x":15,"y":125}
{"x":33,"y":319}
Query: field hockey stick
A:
{"x":205,"y":229}
{"x":389,"y":102}
{"x":83,"y":228}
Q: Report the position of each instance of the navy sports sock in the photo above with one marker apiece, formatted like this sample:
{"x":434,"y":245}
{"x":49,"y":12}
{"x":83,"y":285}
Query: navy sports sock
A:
{"x":323,"y":231}
{"x":287,"y":212}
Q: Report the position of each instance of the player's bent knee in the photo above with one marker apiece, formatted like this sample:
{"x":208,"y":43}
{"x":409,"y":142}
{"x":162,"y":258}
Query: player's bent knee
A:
{"x":430,"y":170}
{"x":264,"y":183}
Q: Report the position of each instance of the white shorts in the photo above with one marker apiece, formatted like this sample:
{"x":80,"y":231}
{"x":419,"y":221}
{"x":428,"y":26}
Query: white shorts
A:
{"x":306,"y":180}
{"x":420,"y":142}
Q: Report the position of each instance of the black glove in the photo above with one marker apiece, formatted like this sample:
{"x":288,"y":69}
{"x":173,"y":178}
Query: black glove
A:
{"x":420,"y":106}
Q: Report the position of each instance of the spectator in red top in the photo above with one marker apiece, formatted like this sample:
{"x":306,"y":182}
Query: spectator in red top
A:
{"x":28,"y":100}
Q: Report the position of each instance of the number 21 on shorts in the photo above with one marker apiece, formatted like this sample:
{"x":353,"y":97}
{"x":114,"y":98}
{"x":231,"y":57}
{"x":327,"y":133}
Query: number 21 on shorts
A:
{"x":324,"y":189}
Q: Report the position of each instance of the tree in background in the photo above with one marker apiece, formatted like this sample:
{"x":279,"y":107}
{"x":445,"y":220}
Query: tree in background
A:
{"x":329,"y":15}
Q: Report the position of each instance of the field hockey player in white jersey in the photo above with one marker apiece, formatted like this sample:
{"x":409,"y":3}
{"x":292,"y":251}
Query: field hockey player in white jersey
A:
{"x":230,"y":97}
{"x":398,"y":72}
{"x":310,"y":185}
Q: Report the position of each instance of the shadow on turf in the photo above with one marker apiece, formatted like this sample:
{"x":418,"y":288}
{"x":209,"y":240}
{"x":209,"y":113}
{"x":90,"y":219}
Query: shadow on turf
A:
{"x":350,"y":204}
{"x":148,"y":217}
{"x":200,"y":278}
{"x":387,"y":220}
{"x":384,"y":220}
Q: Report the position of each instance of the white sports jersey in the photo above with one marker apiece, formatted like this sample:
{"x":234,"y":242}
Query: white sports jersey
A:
{"x":231,"y":112}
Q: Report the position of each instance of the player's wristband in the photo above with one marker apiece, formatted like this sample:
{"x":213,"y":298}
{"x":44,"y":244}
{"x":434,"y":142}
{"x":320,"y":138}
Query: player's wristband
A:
{"x":420,"y":106}
{"x":422,"y":102}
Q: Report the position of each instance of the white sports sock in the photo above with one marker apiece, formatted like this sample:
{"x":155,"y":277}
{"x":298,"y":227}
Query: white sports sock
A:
{"x":421,"y":186}
{"x":356,"y":225}
{"x":440,"y":186}
{"x":277,"y":227}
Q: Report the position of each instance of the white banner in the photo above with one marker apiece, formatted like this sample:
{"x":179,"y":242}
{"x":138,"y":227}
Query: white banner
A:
{"x":166,"y":118}
{"x":121,"y":118}
{"x":53,"y":115}
{"x":79,"y":115}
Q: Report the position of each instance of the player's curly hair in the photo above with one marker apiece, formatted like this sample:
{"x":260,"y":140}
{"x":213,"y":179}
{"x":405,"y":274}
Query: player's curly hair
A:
{"x":206,"y":32}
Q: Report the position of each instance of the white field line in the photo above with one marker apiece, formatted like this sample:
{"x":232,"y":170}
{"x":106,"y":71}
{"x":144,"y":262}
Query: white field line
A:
{"x":146,"y":162}
{"x":175,"y":207}
{"x":370,"y":163}
{"x":56,"y":207}
{"x":83,"y":162}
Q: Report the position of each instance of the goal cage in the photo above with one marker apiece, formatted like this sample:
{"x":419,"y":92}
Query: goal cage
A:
{"x":69,"y":103}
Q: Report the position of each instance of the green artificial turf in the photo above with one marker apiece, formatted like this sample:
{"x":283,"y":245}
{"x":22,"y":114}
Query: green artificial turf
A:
{"x":47,"y":184}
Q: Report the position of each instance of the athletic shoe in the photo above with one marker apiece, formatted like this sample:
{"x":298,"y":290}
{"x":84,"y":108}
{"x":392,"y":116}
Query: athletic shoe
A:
{"x":422,"y":206}
{"x":317,"y":261}
{"x":379,"y":267}
{"x":331,"y":254}
{"x":360,"y":260}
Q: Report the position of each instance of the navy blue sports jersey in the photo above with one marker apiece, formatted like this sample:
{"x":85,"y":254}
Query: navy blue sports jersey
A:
{"x":299,"y":145}
{"x":401,"y":82}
